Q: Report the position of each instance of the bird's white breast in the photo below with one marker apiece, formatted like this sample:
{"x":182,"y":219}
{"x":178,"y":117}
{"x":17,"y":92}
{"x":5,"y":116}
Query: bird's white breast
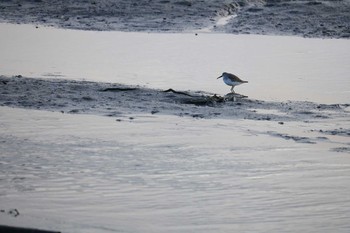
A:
{"x":229,"y":82}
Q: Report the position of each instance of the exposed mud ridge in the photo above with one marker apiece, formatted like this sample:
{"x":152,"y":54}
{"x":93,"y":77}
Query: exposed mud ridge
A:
{"x":289,"y":17}
{"x":292,"y":137}
{"x":342,"y":149}
{"x":140,"y":15}
{"x":116,"y":100}
{"x":321,"y":18}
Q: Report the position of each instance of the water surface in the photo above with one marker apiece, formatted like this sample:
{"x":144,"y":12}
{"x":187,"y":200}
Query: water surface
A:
{"x":277,"y":68}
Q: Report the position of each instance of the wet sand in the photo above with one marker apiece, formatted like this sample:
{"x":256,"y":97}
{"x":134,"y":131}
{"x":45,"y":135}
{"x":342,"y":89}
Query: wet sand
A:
{"x":325,"y":19}
{"x":120,"y":101}
{"x":69,"y":96}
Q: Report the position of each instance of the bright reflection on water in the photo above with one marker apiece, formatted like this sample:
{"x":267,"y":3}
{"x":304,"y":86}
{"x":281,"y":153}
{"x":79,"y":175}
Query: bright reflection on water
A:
{"x":277,"y":68}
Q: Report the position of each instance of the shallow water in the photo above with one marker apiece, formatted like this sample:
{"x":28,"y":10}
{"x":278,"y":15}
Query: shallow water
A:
{"x":161,"y":173}
{"x":277,"y":68}
{"x":79,"y":173}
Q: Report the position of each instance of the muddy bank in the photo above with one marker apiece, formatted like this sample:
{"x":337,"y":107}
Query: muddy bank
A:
{"x":118,"y":100}
{"x":325,"y":19}
{"x":303,"y":18}
{"x":141,"y":15}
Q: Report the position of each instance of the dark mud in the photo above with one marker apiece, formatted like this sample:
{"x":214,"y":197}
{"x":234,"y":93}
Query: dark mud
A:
{"x":326,"y":19}
{"x":140,"y":15}
{"x":10,"y":229}
{"x":342,"y":149}
{"x":330,"y":19}
{"x":298,"y":139}
{"x":340,"y":131}
{"x":118,"y":100}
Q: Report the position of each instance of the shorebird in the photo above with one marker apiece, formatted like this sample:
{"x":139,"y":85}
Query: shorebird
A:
{"x":231,"y":80}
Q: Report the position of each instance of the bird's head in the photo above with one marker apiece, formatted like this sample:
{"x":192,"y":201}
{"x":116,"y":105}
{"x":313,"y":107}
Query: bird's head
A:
{"x":221,"y":75}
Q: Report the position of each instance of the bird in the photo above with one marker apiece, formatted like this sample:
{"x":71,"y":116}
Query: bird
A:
{"x":231,"y":80}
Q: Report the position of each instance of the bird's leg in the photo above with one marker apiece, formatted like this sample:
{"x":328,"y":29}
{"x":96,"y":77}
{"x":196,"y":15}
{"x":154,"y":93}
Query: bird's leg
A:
{"x":232,"y":91}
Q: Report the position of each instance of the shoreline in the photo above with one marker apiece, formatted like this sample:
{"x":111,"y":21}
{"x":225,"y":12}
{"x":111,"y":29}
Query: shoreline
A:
{"x":318,"y":20}
{"x":117,"y":100}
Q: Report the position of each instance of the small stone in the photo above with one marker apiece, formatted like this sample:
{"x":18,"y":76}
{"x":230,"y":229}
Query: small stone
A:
{"x":74,"y":111}
{"x":13,"y":212}
{"x":198,"y":116}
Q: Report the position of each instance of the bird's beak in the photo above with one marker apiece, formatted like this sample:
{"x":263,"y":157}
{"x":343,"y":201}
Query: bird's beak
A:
{"x":219,"y":77}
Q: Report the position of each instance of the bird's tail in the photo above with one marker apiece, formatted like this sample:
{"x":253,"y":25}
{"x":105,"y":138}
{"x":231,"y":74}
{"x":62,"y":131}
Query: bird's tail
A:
{"x":245,"y":82}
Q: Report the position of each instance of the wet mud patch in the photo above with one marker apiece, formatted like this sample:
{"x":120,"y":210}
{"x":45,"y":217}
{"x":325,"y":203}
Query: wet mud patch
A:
{"x":298,"y":139}
{"x":338,"y":132}
{"x":83,"y":97}
{"x":141,"y":15}
{"x":342,"y":149}
{"x":12,"y":229}
{"x":304,"y":18}
{"x":320,"y":18}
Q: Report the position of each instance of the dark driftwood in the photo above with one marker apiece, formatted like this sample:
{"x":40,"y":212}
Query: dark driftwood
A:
{"x":233,"y":96}
{"x":203,"y":100}
{"x":8,"y":229}
{"x":178,"y":92}
{"x":199,"y":100}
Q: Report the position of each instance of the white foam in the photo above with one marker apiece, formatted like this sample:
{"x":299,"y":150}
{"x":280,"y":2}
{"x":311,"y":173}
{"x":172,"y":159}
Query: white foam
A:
{"x":221,"y":21}
{"x":225,"y":20}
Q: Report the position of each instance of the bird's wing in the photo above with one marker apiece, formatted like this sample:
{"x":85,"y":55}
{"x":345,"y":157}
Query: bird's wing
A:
{"x":235,"y":78}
